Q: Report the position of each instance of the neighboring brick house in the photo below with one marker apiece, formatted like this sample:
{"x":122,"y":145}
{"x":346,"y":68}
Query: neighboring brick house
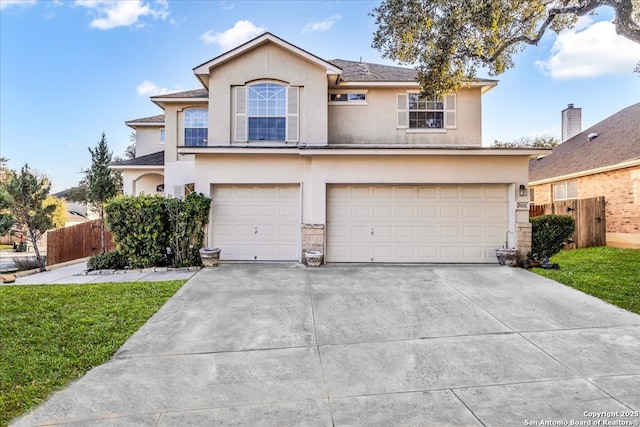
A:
{"x":603,"y":160}
{"x":301,"y":153}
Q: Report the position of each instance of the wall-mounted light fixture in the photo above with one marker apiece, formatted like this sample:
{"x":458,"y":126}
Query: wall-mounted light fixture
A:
{"x":523,"y":190}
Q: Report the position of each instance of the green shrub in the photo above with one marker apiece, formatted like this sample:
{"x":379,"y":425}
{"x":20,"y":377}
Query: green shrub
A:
{"x":145,"y":226}
{"x":549,"y":234}
{"x":107,"y":261}
{"x":140,"y":228}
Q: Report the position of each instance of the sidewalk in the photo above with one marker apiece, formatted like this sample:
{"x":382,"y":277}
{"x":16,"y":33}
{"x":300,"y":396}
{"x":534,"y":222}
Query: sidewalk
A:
{"x":76,"y":272}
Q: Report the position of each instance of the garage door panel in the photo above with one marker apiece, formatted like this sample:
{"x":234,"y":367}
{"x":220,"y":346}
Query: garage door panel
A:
{"x":427,"y":211}
{"x":360,"y":211}
{"x":449,"y":192}
{"x":256,"y":222}
{"x":473,"y":193}
{"x":450,"y":253}
{"x":428,"y":193}
{"x":383,"y":212}
{"x":449,"y":223}
{"x":472,"y":232}
{"x":449,"y":212}
{"x":495,"y":192}
{"x":472,"y":252}
{"x":474,"y":212}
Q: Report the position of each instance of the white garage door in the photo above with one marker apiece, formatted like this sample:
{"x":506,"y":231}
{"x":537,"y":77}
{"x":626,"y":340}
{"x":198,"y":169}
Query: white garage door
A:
{"x":256,"y":222}
{"x":382,"y":223}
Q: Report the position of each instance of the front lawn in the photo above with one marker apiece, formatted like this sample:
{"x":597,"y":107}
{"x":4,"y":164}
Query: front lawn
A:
{"x":610,"y":274}
{"x":53,"y":334}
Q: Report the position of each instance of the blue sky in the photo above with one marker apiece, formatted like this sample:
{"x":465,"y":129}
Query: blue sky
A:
{"x":70,"y":70}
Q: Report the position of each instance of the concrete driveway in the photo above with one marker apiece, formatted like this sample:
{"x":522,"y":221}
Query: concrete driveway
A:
{"x":277,"y":345}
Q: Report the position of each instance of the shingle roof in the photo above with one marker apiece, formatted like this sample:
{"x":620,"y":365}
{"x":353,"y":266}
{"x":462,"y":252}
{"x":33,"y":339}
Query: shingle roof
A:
{"x":152,"y":119}
{"x":353,"y":71}
{"x":195,"y":93}
{"x":154,"y":159}
{"x":618,"y":141}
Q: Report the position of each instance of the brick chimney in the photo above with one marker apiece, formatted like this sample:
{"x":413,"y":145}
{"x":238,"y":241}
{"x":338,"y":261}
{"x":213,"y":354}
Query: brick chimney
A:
{"x":571,"y":122}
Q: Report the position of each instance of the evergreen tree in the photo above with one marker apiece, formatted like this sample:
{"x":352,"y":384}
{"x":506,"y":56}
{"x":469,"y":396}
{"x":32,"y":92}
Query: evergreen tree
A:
{"x":101,"y":182}
{"x":28,"y":191}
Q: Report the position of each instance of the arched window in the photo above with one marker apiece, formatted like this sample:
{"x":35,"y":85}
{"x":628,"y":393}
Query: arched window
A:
{"x":267,"y":112}
{"x":196,"y":127}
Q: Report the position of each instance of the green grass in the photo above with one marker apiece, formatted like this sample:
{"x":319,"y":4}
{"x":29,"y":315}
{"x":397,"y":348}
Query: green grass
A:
{"x":610,"y":274}
{"x":53,"y":334}
{"x":3,"y":247}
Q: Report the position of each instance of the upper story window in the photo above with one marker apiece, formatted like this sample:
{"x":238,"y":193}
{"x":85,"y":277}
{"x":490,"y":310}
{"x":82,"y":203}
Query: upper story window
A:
{"x":266,"y":112}
{"x":348,"y":98}
{"x":162,"y":136}
{"x":196,"y":127}
{"x":426,"y":113}
{"x":565,"y":190}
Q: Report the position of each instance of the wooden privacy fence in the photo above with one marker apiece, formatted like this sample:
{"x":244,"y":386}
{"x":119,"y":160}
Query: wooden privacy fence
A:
{"x":590,"y":216}
{"x":78,"y":241}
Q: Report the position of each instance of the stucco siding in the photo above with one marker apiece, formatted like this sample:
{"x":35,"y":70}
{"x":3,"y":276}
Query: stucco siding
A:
{"x":147,"y":184}
{"x":148,"y":140}
{"x":376,"y":122}
{"x":315,"y":173}
{"x":265,"y":63}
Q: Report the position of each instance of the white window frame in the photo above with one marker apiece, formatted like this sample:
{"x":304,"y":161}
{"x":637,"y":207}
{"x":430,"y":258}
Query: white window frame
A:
{"x":241,"y":118}
{"x":206,"y":116}
{"x":349,"y":94}
{"x":162,"y":135}
{"x":568,"y":188}
{"x":448,"y":113}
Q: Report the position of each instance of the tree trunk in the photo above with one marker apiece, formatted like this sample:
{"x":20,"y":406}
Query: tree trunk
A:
{"x":39,"y":260}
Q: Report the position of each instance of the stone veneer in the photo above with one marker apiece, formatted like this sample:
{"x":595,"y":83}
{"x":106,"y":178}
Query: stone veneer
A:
{"x":523,"y":239}
{"x":312,"y":238}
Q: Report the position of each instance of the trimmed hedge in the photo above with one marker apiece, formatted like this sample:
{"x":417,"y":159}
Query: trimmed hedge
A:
{"x":550,"y":233}
{"x":154,"y":230}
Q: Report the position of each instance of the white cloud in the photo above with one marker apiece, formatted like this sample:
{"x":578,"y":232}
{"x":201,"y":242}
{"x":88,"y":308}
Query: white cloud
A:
{"x":21,"y":3}
{"x":150,"y":89}
{"x":597,"y":50}
{"x":113,"y":13}
{"x":321,"y":26}
{"x":226,"y":5}
{"x":241,"y":32}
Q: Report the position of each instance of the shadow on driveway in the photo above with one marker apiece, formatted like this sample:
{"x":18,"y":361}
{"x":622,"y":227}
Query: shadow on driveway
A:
{"x":275,"y":345}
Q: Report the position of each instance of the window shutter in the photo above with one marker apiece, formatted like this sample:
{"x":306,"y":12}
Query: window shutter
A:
{"x":293,"y":117}
{"x":403,"y":112}
{"x":178,"y":191}
{"x":241,"y":114}
{"x":450,"y":111}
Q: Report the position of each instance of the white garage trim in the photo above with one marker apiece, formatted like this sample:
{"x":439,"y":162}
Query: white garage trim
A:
{"x":415,"y":223}
{"x":256,"y":222}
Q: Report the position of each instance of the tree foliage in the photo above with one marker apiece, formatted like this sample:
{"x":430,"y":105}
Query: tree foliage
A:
{"x":59,"y":215}
{"x":28,"y":191}
{"x":6,"y":219}
{"x":101,"y":183}
{"x":544,"y":141}
{"x":449,"y":40}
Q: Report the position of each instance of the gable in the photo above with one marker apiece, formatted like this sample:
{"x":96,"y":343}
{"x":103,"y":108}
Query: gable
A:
{"x":271,"y":52}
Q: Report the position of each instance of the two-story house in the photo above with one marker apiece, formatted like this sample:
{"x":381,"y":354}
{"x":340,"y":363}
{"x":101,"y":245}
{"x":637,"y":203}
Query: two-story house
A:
{"x":302,"y":153}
